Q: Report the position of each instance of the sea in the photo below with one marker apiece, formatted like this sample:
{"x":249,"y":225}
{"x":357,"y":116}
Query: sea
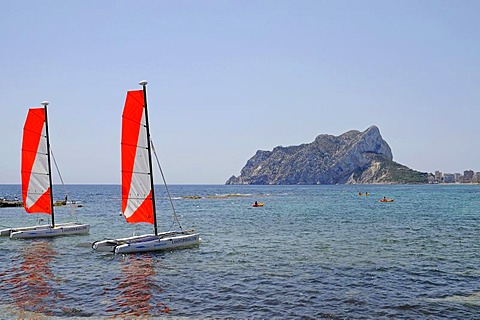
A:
{"x":311,"y":252}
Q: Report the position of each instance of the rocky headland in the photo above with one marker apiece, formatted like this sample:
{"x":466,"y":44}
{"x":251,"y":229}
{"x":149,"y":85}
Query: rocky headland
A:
{"x":352,"y":158}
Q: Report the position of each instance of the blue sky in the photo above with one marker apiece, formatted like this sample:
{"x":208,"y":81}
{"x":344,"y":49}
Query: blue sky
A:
{"x":227,"y":78}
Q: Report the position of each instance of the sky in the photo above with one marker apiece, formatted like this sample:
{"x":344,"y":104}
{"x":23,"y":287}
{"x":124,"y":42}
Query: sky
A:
{"x":227,"y":78}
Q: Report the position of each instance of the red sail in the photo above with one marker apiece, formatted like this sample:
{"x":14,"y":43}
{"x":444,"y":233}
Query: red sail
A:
{"x":35,"y":176}
{"x":136,"y":187}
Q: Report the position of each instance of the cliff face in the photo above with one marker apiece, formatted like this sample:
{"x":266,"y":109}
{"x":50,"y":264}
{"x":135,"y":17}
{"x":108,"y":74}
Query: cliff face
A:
{"x":353,"y":157}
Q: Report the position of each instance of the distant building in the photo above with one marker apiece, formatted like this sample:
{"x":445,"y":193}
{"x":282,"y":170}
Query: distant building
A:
{"x":457,"y":177}
{"x":468,"y":176}
{"x":476,"y":177}
{"x":449,"y":178}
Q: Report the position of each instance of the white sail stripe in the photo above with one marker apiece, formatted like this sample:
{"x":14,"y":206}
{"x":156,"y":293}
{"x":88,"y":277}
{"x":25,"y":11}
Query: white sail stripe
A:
{"x":42,"y":146}
{"x":132,"y":206}
{"x":37,"y":185}
{"x":39,"y":176}
{"x":140,"y":184}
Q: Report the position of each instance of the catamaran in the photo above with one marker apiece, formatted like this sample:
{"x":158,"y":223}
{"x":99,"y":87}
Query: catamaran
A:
{"x":37,"y":191}
{"x":138,"y":195}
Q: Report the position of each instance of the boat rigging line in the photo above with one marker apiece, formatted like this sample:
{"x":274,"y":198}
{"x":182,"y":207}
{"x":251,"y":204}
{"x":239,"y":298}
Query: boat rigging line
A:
{"x":166,"y":186}
{"x":72,"y":211}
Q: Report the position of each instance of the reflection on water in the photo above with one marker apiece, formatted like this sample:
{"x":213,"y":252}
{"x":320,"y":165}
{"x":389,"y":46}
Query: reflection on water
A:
{"x":30,"y":282}
{"x":137,"y":291}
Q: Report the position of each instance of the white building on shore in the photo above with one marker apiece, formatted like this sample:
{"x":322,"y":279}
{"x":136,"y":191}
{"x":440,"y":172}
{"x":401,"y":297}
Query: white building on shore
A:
{"x":469,"y":176}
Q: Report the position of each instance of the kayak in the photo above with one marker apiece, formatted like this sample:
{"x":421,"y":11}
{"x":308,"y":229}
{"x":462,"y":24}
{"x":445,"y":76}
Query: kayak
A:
{"x":386,"y":200}
{"x":258,"y":205}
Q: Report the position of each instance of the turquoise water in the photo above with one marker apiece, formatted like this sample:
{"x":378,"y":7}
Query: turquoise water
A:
{"x":311,"y":252}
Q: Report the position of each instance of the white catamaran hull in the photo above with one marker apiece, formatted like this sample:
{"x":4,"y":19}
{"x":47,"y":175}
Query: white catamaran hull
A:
{"x":43,"y":231}
{"x":149,"y":242}
{"x":7,"y":232}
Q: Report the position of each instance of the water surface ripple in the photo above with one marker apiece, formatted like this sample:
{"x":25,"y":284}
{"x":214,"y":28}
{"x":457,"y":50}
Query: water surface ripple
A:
{"x":312,"y":252}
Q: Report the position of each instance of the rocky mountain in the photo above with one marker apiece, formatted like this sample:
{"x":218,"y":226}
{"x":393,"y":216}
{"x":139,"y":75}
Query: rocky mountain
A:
{"x":353,"y":157}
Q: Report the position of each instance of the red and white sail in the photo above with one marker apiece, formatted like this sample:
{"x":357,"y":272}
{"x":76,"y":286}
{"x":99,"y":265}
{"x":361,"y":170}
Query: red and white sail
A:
{"x":36,"y":191}
{"x":136,"y":186}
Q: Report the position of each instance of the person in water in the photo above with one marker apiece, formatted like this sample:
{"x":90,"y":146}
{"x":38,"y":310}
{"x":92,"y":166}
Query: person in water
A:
{"x":256,"y":203}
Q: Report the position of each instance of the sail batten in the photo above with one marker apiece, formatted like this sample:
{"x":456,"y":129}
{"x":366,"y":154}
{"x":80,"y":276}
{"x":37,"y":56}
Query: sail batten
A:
{"x":36,"y":191}
{"x":136,"y":186}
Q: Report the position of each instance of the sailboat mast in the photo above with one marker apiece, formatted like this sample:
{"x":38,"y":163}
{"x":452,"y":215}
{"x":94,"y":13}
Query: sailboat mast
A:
{"x":143,"y":83}
{"x":45,"y":104}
